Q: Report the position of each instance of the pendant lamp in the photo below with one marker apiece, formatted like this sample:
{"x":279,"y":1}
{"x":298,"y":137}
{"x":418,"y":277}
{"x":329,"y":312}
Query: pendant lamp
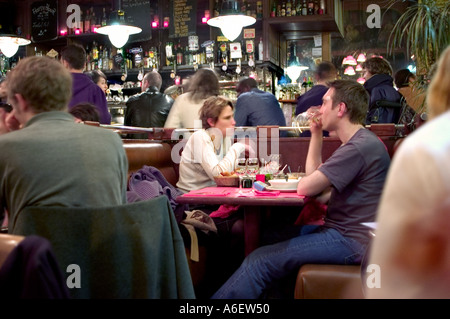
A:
{"x":9,"y":44}
{"x":231,"y":20}
{"x":117,"y":29}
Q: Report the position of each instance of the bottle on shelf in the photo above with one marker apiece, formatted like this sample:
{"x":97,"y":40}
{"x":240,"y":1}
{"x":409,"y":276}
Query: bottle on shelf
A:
{"x":288,"y":8}
{"x":259,"y":9}
{"x":316,"y":6}
{"x":216,"y":8}
{"x":310,"y":83}
{"x":104,"y":18}
{"x":283,"y":9}
{"x":273,"y":13}
{"x":93,"y":20}
{"x":179,"y":54}
{"x":169,"y":53}
{"x":310,"y":7}
{"x":260,"y":50}
{"x":322,"y":7}
{"x":87,"y":22}
{"x":293,"y":9}
{"x":298,"y":8}
{"x":304,"y":8}
{"x":304,"y":85}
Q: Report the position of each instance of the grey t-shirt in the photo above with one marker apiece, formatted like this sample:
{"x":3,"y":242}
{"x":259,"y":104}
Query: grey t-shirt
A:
{"x":357,"y":171}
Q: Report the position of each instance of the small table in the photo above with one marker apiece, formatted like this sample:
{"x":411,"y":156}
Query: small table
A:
{"x":251,"y":202}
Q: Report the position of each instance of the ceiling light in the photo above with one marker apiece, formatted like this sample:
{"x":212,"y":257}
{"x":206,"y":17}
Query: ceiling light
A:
{"x":9,"y":44}
{"x":349,"y":71}
{"x":118,"y":30}
{"x":231,"y":20}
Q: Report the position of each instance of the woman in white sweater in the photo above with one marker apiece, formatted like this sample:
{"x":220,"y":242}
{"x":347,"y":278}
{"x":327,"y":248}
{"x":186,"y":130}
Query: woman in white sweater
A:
{"x":209,"y":152}
{"x":184,"y":111}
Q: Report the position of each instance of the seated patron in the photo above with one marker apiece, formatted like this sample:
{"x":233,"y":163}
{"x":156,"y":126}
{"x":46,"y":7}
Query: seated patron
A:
{"x":355,"y":173}
{"x":52,"y":160}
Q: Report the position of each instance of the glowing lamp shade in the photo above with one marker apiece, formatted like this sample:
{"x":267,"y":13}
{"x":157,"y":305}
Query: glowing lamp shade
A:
{"x":361,"y":80}
{"x":10,"y":44}
{"x":349,"y":71}
{"x":231,"y":25}
{"x":118,"y":30}
{"x":349,"y":60}
{"x":361,"y":58}
{"x":118,"y":34}
{"x":294,"y":71}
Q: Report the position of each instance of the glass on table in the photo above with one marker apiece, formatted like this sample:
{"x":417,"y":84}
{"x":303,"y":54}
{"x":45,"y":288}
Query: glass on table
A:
{"x":240,"y":169}
{"x":252,"y":166}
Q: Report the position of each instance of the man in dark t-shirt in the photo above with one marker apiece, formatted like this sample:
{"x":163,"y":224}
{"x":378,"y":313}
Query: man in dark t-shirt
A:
{"x":355,"y":173}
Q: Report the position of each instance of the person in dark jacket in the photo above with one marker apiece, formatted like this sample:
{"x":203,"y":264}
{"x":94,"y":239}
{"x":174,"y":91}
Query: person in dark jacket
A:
{"x":149,"y":108}
{"x":84,"y":90}
{"x":384,"y":104}
{"x":324,"y":72}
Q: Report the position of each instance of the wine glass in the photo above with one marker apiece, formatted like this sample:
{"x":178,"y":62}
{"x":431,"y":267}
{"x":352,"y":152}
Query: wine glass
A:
{"x":252,"y":166}
{"x":240,"y":169}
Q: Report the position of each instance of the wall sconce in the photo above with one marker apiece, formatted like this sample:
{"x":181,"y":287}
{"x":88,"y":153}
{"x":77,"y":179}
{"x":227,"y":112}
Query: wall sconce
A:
{"x":166,"y":22}
{"x":63,"y":32}
{"x":206,"y":17}
{"x":77,"y":31}
{"x":359,"y":68}
{"x":155,"y":22}
{"x":361,"y":80}
{"x":231,"y":20}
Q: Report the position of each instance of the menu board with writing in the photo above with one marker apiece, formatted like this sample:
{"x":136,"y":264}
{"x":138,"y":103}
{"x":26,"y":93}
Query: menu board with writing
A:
{"x":44,"y":20}
{"x":139,"y":14}
{"x":184,"y":18}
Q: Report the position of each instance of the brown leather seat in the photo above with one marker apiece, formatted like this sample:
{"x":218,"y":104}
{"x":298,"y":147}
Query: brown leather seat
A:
{"x":7,"y":244}
{"x":315,"y":281}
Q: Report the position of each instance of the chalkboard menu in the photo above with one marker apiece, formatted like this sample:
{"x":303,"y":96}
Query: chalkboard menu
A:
{"x":184,"y":18}
{"x":138,"y":13}
{"x":44,"y":20}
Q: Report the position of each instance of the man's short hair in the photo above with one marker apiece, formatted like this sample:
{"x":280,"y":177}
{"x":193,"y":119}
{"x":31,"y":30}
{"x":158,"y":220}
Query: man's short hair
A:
{"x":325,"y":70}
{"x":246,"y":84}
{"x":354,"y":96}
{"x":42,"y":81}
{"x":75,"y":56}
{"x":154,"y":79}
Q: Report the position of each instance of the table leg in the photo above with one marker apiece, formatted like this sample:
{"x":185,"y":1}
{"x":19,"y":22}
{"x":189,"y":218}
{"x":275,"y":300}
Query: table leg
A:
{"x":252,"y":221}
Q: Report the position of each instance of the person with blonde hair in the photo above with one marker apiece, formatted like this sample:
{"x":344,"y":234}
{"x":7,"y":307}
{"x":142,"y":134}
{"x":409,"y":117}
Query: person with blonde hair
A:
{"x":184,"y":111}
{"x":412,"y":244}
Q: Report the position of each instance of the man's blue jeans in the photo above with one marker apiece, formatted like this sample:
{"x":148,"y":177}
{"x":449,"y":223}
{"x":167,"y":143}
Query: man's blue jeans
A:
{"x":270,"y":263}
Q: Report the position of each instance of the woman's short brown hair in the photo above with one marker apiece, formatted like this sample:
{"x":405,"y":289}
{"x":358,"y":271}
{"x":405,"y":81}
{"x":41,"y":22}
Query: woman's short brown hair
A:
{"x":212,"y":108}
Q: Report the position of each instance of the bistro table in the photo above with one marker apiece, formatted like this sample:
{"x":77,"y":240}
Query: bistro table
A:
{"x":250,"y":199}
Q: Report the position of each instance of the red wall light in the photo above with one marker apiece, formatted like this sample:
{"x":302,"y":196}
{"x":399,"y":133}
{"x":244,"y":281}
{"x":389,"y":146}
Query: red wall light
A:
{"x":77,"y":31}
{"x":166,"y":22}
{"x":63,"y":32}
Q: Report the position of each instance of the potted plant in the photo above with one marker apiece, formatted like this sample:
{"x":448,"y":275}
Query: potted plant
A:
{"x":424,"y":29}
